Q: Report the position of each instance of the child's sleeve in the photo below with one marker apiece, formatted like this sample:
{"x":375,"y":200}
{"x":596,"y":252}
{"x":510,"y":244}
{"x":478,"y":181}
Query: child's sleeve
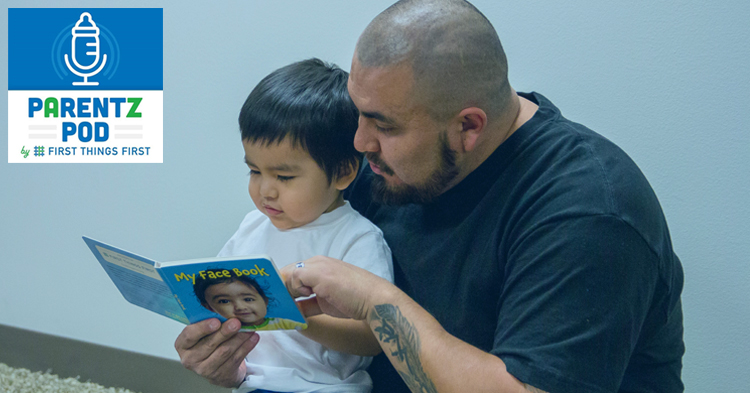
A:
{"x":370,"y":252}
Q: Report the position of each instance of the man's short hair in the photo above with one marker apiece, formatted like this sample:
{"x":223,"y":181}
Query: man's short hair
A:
{"x":308,"y":103}
{"x":454,"y":52}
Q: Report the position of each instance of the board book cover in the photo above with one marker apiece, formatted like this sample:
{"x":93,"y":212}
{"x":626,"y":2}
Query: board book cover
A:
{"x":249,"y":288}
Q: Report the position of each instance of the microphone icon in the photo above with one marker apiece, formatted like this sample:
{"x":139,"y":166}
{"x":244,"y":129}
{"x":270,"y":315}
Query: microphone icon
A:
{"x":85,"y":35}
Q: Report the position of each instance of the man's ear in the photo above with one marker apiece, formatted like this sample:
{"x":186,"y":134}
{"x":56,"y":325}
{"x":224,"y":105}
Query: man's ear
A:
{"x":473,"y":121}
{"x":344,"y":180}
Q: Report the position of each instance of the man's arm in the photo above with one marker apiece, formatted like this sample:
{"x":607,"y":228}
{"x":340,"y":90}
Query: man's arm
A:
{"x":431,"y":360}
{"x":344,"y":335}
{"x":425,"y":355}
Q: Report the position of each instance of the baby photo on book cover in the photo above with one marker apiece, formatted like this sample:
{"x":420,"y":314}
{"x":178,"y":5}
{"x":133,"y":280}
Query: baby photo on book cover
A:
{"x":239,"y":294}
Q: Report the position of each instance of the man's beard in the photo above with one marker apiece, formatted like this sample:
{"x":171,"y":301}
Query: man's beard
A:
{"x":423,"y":193}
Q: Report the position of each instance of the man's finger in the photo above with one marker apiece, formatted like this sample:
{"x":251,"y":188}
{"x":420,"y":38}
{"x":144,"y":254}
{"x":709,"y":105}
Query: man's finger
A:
{"x":225,"y":367}
{"x":227,"y":332}
{"x":294,"y":283}
{"x":194,"y":333}
{"x":309,"y":307}
{"x":192,"y":352}
{"x":228,"y":356}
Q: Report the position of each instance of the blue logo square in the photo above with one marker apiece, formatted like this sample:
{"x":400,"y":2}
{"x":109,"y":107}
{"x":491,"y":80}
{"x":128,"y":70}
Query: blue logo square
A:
{"x":85,"y":49}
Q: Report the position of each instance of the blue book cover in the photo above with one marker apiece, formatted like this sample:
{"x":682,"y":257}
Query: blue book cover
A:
{"x":248,"y":288}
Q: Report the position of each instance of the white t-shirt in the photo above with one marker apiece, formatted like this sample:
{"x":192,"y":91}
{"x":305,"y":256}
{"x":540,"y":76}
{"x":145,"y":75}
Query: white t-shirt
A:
{"x":286,"y":361}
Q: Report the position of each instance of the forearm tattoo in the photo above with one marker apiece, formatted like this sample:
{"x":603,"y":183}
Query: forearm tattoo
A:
{"x":394,"y":329}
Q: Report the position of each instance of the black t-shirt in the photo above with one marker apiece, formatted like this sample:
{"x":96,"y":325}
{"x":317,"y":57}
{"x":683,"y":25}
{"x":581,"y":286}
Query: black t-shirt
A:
{"x":554,"y":255}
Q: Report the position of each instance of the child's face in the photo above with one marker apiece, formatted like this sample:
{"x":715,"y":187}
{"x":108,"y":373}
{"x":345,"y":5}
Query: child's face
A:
{"x":237,"y":300}
{"x":288,"y":186}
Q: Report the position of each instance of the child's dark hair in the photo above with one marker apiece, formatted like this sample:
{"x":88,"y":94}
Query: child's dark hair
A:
{"x":201,"y":284}
{"x":308,"y":102}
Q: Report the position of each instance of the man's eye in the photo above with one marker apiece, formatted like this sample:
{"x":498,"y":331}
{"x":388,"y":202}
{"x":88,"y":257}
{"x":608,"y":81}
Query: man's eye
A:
{"x":383,"y":127}
{"x":254,"y":172}
{"x":284,"y":178}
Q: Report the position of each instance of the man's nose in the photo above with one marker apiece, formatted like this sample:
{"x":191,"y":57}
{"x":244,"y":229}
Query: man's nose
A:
{"x":365,"y":139}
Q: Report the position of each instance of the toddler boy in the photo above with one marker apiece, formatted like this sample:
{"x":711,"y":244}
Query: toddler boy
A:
{"x":298,"y":127}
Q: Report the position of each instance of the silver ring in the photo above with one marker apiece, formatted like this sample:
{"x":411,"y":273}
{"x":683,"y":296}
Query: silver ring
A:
{"x":300,"y":264}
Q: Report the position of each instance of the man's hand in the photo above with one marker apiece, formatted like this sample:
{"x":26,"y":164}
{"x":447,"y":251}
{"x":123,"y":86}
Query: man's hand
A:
{"x":215,"y":351}
{"x":342,"y":290}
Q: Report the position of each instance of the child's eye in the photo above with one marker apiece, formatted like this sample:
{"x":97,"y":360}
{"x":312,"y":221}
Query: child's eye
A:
{"x":254,"y":172}
{"x":284,"y":178}
{"x":223,"y":301}
{"x":249,"y":299}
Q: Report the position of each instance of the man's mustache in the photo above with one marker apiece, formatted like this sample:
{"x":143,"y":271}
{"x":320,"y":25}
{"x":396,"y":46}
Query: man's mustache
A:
{"x":375,"y":159}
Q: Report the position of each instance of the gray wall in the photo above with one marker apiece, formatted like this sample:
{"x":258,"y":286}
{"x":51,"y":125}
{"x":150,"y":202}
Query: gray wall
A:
{"x":666,"y":80}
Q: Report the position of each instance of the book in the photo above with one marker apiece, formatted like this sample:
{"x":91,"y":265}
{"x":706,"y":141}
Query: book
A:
{"x":249,"y":288}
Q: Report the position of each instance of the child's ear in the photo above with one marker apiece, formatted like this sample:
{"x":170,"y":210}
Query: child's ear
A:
{"x":343,"y":181}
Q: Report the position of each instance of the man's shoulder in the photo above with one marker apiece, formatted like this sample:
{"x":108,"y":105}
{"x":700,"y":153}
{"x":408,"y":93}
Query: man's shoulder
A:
{"x":578,"y":172}
{"x":581,"y":162}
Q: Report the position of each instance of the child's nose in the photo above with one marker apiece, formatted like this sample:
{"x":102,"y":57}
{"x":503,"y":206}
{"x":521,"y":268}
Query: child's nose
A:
{"x":268,"y":190}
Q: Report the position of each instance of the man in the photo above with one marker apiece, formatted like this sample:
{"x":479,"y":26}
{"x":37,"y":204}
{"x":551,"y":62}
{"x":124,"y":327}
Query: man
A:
{"x":530,"y":252}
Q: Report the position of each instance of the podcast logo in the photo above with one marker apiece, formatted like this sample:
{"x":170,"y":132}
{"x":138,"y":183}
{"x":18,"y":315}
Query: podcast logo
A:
{"x":85,"y":85}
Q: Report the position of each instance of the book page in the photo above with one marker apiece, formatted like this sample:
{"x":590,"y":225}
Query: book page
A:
{"x":128,"y":263}
{"x":137,"y":280}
